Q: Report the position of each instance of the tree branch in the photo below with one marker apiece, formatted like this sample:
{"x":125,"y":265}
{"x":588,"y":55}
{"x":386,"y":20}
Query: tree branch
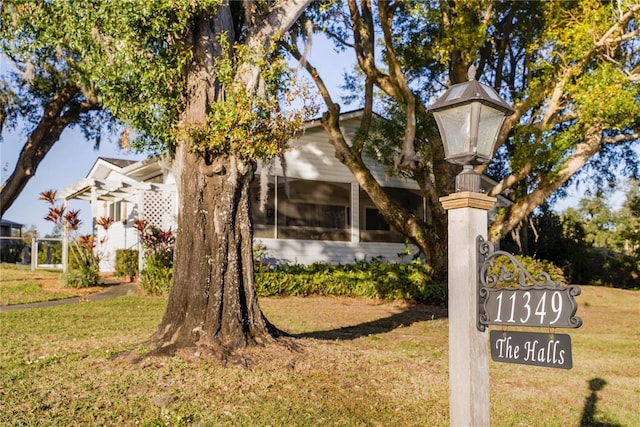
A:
{"x":519,"y":211}
{"x":58,"y":113}
{"x":620,"y":138}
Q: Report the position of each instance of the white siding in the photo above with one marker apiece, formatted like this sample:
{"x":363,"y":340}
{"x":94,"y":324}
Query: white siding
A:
{"x":313,"y":157}
{"x":310,"y":251}
{"x":119,"y":236}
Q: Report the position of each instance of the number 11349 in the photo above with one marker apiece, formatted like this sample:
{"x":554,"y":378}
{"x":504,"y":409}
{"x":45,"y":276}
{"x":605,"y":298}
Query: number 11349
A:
{"x":553,"y":308}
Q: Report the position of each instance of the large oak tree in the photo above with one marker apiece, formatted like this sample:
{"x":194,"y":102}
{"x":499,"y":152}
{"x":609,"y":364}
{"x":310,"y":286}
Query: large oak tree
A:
{"x":198,"y":81}
{"x":570,"y":69}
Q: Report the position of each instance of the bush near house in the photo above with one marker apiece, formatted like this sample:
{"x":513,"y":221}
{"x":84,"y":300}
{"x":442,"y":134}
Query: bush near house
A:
{"x":157,"y":274}
{"x":127,"y":263}
{"x":83,"y":269}
{"x":369,"y":279}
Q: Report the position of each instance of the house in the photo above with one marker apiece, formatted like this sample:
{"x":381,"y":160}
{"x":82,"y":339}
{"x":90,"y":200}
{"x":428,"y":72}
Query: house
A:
{"x":10,"y":229}
{"x":10,"y":241}
{"x":314,"y":212}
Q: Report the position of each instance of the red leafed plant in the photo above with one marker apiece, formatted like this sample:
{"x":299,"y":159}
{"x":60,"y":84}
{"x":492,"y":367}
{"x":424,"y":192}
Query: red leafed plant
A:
{"x":158,"y":246}
{"x":105,"y":222}
{"x":83,"y":261}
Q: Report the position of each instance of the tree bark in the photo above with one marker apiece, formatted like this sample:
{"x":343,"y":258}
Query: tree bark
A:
{"x":213,"y":302}
{"x":62,"y":110}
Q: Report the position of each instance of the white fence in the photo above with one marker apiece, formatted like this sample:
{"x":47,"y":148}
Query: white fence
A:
{"x":42,"y":252}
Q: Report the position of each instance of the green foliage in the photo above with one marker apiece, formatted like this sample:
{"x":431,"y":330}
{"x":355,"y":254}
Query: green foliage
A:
{"x":592,"y":95}
{"x":367,"y":279}
{"x":126,"y":263}
{"x":131,"y":55}
{"x":84,"y":277}
{"x":49,"y":252}
{"x":251,"y":127}
{"x":537,"y":268}
{"x":592,"y":244}
{"x":255,"y":127}
{"x":83,"y":268}
{"x":156,"y":276}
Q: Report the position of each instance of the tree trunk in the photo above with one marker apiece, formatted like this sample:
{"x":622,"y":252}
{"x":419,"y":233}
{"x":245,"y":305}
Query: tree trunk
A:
{"x":212,"y":302}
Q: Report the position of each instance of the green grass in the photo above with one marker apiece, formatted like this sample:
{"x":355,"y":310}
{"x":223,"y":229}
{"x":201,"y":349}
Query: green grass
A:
{"x":360,"y":363}
{"x":20,"y":285}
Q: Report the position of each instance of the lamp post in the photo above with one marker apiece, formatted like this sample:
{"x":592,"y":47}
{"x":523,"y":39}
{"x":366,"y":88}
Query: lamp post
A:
{"x":469,"y":116}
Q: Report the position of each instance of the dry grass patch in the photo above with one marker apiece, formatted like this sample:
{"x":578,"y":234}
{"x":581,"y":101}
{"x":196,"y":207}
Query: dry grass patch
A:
{"x":20,"y":285}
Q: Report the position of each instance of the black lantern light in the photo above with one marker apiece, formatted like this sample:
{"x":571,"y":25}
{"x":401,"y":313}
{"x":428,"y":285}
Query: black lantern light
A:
{"x":469,"y":117}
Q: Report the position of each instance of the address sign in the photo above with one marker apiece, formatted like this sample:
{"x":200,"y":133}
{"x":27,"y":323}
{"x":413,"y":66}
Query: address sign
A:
{"x":554,"y":308}
{"x":509,"y":295}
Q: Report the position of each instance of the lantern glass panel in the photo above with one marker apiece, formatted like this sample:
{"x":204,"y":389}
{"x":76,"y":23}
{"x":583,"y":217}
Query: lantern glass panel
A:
{"x":490,"y":124}
{"x":455,"y":128}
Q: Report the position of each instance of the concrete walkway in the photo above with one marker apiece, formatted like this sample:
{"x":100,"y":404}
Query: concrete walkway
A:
{"x":112,"y":291}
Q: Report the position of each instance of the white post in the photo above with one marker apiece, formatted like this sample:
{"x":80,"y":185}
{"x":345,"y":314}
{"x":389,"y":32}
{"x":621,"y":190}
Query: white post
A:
{"x":468,"y":347}
{"x":65,"y":250}
{"x":34,"y":253}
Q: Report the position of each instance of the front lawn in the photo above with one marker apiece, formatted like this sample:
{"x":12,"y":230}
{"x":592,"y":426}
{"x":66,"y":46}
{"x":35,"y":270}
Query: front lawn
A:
{"x":354,"y":362}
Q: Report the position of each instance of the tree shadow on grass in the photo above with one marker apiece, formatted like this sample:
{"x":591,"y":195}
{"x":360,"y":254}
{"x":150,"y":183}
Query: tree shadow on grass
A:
{"x":588,"y":414}
{"x":410,"y":315}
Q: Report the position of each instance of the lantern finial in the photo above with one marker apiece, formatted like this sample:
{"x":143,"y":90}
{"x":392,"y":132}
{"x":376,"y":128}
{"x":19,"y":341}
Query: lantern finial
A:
{"x":471,"y":72}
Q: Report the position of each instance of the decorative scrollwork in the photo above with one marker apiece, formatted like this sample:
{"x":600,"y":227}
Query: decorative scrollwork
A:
{"x":510,"y":272}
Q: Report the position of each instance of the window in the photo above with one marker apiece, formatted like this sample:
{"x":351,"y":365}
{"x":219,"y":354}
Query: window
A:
{"x":374,"y":220}
{"x":114,"y":211}
{"x":118,"y":211}
{"x":373,"y":226}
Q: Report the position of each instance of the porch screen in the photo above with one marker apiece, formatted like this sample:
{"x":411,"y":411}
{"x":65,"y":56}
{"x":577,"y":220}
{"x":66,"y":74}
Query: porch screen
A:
{"x":313,"y":210}
{"x":303,"y":209}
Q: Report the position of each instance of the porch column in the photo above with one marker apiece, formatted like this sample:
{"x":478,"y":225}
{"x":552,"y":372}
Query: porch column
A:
{"x":355,"y":212}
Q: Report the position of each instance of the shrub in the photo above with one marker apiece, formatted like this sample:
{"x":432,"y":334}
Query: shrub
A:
{"x":368,"y":279}
{"x":83,"y":271}
{"x":155,"y":277}
{"x":84,"y":277}
{"x":126,"y":263}
{"x":50,"y":252}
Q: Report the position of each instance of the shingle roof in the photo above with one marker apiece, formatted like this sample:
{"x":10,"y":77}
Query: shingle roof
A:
{"x":121,"y":163}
